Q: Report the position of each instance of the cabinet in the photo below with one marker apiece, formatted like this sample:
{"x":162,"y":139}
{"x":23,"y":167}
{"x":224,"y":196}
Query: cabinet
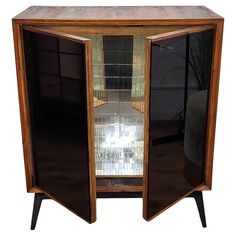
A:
{"x":118,"y":102}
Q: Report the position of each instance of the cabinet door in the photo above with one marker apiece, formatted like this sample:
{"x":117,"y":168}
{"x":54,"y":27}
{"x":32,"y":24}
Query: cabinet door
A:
{"x":60,"y":108}
{"x":178,"y":77}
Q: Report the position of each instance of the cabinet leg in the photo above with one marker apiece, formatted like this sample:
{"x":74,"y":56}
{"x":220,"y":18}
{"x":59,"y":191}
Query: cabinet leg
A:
{"x":38,"y":197}
{"x":200,"y":205}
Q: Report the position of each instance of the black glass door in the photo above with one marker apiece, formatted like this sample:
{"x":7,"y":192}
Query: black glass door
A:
{"x":179,"y":70}
{"x":60,"y":99}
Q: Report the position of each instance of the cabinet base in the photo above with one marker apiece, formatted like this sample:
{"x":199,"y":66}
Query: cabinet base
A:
{"x":39,"y":197}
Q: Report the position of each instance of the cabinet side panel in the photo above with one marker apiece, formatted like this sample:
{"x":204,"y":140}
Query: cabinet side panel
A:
{"x":23,"y":104}
{"x":213,"y":100}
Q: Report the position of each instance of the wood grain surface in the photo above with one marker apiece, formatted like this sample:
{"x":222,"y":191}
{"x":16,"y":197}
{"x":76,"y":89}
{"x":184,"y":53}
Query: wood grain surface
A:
{"x":118,"y":14}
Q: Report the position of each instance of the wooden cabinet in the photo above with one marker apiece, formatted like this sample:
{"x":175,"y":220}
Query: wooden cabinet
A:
{"x":117,"y":102}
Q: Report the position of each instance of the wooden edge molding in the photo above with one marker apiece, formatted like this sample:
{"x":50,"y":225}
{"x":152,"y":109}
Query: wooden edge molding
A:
{"x":119,"y":189}
{"x":180,"y":32}
{"x":90,"y":120}
{"x":35,"y":190}
{"x":146,"y":126}
{"x":118,"y":176}
{"x":213,"y":100}
{"x":23,"y":104}
{"x":50,"y":32}
{"x":203,"y":187}
{"x":118,"y":22}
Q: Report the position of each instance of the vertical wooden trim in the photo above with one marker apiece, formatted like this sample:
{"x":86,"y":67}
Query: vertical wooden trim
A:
{"x":146,"y":126}
{"x":90,"y":119}
{"x":23,"y":104}
{"x":213,"y":99}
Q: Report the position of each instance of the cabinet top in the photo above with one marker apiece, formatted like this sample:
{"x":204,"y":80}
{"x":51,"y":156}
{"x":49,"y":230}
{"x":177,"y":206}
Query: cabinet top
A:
{"x":161,"y":14}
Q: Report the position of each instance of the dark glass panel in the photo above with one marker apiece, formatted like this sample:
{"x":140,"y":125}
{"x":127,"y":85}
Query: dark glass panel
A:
{"x":71,"y":90}
{"x":47,"y":62}
{"x":46,"y":42}
{"x":70,"y":47}
{"x":59,"y":126}
{"x":50,"y":86}
{"x":71,"y":65}
{"x":180,"y":78}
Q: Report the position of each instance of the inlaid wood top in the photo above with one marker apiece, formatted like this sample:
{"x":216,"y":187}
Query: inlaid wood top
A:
{"x":118,"y":13}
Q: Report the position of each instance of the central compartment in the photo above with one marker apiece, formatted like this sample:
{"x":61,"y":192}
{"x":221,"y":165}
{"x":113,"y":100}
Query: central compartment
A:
{"x":118,"y":78}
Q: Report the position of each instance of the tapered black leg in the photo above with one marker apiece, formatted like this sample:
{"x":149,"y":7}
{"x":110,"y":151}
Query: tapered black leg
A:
{"x":38,"y":197}
{"x":200,"y":205}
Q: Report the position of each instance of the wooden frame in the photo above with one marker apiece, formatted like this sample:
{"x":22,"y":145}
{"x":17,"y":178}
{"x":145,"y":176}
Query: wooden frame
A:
{"x":178,"y":33}
{"x":212,"y":104}
{"x":169,"y":19}
{"x":118,"y":15}
{"x":24,"y":106}
{"x":213,"y":99}
{"x":115,"y":29}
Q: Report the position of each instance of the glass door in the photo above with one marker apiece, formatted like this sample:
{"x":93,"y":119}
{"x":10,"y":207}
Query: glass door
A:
{"x":60,"y":104}
{"x":178,"y":77}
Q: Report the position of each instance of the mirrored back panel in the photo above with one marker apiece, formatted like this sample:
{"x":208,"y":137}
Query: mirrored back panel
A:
{"x":118,"y":80}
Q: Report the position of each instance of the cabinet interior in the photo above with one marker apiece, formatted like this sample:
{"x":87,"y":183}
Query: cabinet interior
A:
{"x":118,"y":77}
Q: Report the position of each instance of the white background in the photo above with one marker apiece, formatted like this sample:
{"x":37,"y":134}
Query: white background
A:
{"x":116,"y":216}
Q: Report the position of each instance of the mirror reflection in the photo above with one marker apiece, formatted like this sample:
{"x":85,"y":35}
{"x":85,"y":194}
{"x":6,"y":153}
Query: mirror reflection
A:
{"x":118,"y":79}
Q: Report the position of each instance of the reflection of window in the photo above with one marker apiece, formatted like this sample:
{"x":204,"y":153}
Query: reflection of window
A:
{"x":60,"y":68}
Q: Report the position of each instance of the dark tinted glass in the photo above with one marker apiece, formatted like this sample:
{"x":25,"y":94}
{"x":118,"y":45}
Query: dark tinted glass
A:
{"x":180,"y":78}
{"x":58,"y":115}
